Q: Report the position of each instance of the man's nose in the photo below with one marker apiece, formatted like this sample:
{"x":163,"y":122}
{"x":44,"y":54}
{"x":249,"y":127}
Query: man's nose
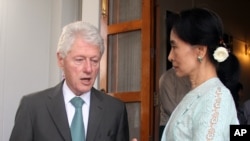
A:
{"x":87,"y":67}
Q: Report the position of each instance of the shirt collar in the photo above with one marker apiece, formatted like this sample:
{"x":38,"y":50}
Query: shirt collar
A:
{"x":68,"y":94}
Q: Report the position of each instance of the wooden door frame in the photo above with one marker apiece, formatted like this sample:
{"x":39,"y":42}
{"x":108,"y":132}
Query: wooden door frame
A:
{"x":145,"y":95}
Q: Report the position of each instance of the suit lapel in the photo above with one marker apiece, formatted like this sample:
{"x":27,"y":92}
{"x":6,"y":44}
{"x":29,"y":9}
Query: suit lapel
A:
{"x":95,"y":114}
{"x":56,"y":108}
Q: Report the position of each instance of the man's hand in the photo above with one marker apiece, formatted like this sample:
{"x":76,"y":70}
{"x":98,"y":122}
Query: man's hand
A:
{"x":134,"y":139}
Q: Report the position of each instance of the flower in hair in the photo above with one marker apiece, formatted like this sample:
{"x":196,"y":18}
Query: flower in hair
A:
{"x":220,"y":54}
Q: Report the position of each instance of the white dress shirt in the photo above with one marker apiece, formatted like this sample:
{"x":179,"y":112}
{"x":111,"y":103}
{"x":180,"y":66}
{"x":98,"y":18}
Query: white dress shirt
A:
{"x":70,"y":109}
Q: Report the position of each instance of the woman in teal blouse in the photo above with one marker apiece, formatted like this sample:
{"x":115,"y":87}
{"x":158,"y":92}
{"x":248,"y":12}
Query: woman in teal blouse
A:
{"x":199,"y":52}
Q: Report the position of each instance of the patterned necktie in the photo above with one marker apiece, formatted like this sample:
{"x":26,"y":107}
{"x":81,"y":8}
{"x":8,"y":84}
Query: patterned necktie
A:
{"x":77,"y":125}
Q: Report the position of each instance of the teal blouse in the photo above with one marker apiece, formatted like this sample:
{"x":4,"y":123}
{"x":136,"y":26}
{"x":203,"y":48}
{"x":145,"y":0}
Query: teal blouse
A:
{"x":204,"y":114}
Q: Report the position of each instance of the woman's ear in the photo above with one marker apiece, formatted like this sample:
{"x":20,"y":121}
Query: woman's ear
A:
{"x":202,"y":50}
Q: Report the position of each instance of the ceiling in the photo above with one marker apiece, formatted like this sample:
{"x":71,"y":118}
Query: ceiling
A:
{"x":235,"y":15}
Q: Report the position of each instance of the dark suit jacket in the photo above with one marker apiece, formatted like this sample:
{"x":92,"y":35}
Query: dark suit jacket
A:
{"x":41,"y":116}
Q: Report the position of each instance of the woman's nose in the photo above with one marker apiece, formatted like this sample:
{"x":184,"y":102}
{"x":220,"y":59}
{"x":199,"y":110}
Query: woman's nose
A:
{"x":170,"y":56}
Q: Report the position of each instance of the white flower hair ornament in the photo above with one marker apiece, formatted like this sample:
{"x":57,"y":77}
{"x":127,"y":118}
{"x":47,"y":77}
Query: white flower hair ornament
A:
{"x":221,"y":54}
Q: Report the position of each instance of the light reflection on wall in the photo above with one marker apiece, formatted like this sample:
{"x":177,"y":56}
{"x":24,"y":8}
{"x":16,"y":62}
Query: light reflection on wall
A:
{"x":239,"y":51}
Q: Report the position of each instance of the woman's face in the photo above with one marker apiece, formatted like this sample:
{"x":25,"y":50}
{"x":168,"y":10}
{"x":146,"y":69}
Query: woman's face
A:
{"x":183,"y":56}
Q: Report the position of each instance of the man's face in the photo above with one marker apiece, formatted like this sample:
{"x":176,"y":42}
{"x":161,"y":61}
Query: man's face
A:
{"x":80,"y":66}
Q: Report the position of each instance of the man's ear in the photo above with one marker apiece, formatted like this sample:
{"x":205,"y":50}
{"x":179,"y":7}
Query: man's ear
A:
{"x":60,"y":60}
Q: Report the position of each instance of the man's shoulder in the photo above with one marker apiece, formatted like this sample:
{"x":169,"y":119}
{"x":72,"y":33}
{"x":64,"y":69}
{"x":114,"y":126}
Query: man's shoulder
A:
{"x":169,"y":72}
{"x":43,"y":93}
{"x":167,"y":75}
{"x":247,"y":103}
{"x":107,"y":98}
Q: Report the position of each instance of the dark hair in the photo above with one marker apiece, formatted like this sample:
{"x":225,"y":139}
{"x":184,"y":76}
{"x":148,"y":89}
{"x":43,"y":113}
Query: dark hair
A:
{"x":235,"y":89}
{"x":240,"y":86}
{"x":229,"y":73}
{"x":200,"y":26}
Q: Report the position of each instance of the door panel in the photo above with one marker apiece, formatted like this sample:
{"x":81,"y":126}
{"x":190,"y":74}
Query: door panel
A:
{"x":124,"y":68}
{"x":124,"y":10}
{"x":127,"y":70}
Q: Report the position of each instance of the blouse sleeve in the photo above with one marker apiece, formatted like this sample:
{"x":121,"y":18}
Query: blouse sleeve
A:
{"x":215,"y":115}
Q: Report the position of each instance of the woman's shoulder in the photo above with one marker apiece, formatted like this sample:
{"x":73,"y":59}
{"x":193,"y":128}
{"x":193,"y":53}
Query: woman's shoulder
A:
{"x":215,"y":86}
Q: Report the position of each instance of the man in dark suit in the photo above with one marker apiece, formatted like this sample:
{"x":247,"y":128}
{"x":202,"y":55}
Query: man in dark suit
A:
{"x":47,"y":115}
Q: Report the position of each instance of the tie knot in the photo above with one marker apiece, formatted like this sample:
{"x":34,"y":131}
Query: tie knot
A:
{"x":77,"y":102}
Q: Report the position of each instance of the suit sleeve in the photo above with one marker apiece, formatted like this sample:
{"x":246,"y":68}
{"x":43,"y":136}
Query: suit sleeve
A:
{"x":246,"y":111}
{"x":167,"y":94}
{"x":22,"y":130}
{"x":123,"y":131}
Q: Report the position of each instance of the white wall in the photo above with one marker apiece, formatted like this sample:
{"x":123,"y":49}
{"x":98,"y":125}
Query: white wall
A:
{"x":29,"y":30}
{"x":25,"y":40}
{"x":1,"y":66}
{"x":91,"y":14}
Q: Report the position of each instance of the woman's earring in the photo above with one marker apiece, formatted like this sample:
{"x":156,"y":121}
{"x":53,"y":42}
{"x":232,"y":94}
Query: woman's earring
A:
{"x":199,"y":58}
